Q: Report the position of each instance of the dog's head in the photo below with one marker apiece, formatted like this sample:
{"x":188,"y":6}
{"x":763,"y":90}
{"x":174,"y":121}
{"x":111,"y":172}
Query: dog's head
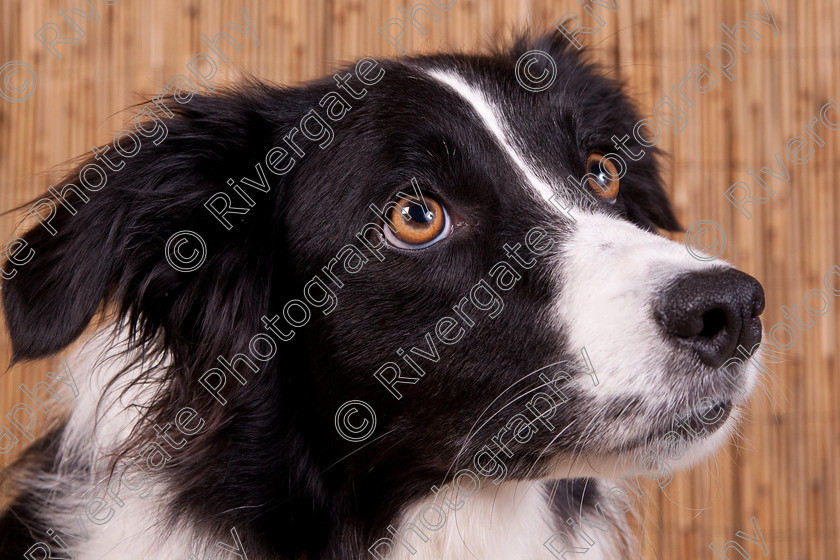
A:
{"x":513,"y":253}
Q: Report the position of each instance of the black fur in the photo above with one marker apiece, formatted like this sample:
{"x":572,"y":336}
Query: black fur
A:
{"x":270,"y":461}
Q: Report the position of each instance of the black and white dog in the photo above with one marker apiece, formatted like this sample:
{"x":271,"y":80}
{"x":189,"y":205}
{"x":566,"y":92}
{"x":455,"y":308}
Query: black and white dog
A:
{"x":432,"y":318}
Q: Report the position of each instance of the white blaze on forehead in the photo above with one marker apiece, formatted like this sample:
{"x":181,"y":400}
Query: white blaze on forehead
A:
{"x":493,"y":119}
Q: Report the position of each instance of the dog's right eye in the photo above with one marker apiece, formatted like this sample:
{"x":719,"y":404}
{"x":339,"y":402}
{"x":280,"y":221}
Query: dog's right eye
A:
{"x":604,"y":177}
{"x":418,"y":223}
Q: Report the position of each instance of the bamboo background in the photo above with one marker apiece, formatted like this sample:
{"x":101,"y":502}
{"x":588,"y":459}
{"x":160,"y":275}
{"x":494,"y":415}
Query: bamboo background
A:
{"x":784,"y":469}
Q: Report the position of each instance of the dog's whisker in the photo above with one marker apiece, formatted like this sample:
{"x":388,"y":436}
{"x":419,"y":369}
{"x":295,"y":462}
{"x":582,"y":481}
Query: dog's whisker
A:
{"x":516,"y":382}
{"x":584,"y":435}
{"x":473,"y":430}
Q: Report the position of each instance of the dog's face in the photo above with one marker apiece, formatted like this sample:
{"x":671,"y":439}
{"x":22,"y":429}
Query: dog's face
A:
{"x":493,"y":161}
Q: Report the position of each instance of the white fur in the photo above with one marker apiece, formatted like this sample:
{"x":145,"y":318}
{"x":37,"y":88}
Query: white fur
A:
{"x":494,"y":121}
{"x":611,"y":273}
{"x":510,"y":521}
{"x":135,"y":532}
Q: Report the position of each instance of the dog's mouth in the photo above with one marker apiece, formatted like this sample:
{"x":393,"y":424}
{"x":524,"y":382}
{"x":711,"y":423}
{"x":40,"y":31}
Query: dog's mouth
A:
{"x":704,"y":420}
{"x":690,"y":427}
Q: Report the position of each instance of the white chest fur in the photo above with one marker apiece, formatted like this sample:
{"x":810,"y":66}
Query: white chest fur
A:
{"x":510,"y":521}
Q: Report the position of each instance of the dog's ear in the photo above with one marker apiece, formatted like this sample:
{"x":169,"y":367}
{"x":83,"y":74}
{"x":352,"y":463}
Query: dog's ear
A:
{"x":552,"y":42}
{"x":108,"y":247}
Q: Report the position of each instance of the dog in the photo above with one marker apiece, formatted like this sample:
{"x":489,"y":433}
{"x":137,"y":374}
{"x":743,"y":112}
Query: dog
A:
{"x":433,"y":319}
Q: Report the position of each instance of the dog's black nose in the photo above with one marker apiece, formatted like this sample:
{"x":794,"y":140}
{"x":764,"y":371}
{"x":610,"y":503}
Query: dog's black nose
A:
{"x":713,"y":312}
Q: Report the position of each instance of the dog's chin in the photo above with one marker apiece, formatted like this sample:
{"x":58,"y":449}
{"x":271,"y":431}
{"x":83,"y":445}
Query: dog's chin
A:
{"x":703,"y":447}
{"x":697,"y":439}
{"x":692,"y":451}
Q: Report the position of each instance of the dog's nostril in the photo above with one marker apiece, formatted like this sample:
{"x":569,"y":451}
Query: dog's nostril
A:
{"x":714,"y":321}
{"x":713,"y":313}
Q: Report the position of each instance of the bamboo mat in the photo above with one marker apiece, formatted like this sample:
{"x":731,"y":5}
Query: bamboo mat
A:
{"x":783,"y":469}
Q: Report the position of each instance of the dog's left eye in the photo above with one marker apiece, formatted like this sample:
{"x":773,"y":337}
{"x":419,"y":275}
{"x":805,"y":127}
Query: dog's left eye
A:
{"x":419,"y":223}
{"x":605,"y":181}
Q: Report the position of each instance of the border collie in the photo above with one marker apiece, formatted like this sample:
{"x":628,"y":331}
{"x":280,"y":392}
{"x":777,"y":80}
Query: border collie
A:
{"x":432,"y":319}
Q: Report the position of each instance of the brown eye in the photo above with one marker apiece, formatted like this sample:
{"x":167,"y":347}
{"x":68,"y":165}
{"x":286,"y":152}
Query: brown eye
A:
{"x":418,"y":224}
{"x":602,"y":177}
